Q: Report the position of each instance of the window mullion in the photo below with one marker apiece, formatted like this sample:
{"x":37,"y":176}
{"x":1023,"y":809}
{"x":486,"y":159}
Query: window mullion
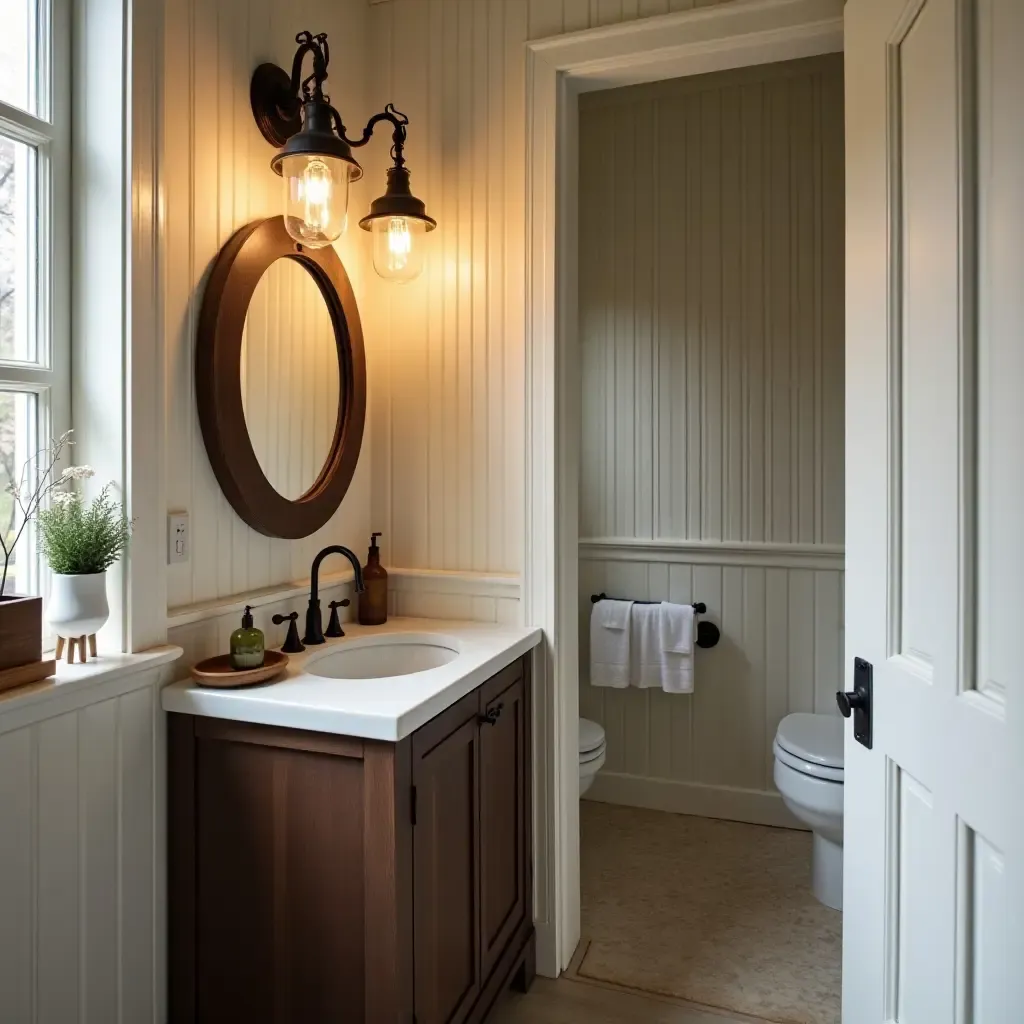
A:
{"x":24,"y":127}
{"x":26,"y":377}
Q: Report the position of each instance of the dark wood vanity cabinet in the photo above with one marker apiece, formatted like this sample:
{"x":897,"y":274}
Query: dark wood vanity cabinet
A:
{"x":319,"y":878}
{"x":472,"y":847}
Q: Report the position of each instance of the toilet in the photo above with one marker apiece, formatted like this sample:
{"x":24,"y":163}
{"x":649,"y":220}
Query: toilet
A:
{"x":592,"y":750}
{"x":809,"y":775}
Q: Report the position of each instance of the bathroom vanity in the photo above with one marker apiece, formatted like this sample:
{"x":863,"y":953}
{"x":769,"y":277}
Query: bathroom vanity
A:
{"x":354,"y":842}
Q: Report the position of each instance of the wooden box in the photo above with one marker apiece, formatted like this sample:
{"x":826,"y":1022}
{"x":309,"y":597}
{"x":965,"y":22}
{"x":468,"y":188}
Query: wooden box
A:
{"x":21,"y":630}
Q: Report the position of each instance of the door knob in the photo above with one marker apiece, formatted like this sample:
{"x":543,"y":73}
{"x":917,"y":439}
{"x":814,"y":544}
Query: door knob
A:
{"x":850,"y":702}
{"x":857,"y":702}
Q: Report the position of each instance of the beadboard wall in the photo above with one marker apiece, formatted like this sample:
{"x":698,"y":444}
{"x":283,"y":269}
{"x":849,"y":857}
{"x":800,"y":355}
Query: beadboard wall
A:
{"x":448,"y":427}
{"x":711,"y":306}
{"x":216,"y":177}
{"x":711,"y":336}
{"x":82,"y":866}
{"x":441,"y":471}
{"x":202,"y":630}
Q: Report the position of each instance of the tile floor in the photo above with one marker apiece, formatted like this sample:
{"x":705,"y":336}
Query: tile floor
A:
{"x":680,"y":910}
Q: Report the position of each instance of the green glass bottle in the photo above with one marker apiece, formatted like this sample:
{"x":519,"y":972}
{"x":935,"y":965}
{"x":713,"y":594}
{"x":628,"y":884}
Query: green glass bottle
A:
{"x":247,"y":644}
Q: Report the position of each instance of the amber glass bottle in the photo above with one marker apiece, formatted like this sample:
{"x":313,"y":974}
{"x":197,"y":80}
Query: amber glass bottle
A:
{"x":373,"y":601}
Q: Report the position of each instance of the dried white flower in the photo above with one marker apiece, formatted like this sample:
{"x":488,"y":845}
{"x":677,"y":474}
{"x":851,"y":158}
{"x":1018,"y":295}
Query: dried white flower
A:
{"x":78,"y":473}
{"x":63,"y":498}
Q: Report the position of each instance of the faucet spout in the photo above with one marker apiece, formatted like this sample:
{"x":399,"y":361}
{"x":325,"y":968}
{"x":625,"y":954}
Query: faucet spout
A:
{"x":314,"y":623}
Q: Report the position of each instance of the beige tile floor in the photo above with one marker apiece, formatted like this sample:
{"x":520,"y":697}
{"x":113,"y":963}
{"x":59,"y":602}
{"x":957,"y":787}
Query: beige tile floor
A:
{"x":678,"y":911}
{"x":718,"y":913}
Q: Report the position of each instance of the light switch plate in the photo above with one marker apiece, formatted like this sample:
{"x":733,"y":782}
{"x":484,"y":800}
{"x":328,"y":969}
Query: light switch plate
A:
{"x":178,"y":539}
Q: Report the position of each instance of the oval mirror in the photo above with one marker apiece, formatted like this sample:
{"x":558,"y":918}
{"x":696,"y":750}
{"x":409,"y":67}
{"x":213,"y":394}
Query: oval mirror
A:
{"x":291,"y":386}
{"x":280,"y":379}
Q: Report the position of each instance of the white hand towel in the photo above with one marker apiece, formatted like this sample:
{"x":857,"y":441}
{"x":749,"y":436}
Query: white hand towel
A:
{"x":614,"y":614}
{"x":645,"y":625}
{"x":609,"y":647}
{"x":652,"y":665}
{"x":677,"y":628}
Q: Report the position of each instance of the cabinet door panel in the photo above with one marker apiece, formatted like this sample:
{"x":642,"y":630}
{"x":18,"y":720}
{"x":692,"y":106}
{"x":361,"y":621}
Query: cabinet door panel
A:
{"x":279,"y":895}
{"x":503,"y":854}
{"x":445,"y":865}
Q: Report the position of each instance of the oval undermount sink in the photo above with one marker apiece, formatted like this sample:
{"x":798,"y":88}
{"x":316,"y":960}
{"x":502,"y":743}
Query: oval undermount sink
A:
{"x":382,"y":658}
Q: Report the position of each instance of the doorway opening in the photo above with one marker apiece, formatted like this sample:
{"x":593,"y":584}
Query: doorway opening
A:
{"x":565,"y":75}
{"x":711,"y":354}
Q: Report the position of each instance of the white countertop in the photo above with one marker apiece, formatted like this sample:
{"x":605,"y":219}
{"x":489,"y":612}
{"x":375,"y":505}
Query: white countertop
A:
{"x":383,"y":709}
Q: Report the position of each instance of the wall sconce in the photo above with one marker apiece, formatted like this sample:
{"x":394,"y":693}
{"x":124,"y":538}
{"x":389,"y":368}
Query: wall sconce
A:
{"x":316,"y":164}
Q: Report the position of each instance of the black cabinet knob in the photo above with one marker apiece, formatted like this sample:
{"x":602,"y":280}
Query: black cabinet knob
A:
{"x":492,"y":714}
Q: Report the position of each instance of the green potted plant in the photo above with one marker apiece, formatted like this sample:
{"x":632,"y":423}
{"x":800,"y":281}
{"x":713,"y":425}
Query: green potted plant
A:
{"x":21,"y":615}
{"x":80,"y":541}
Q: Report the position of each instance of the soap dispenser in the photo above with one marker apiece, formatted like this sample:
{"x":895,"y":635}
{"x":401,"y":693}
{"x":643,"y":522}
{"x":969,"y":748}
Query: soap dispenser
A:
{"x":247,"y":644}
{"x":373,"y":601}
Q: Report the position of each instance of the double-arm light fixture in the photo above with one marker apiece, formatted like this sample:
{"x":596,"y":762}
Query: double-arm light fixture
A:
{"x":316,"y":164}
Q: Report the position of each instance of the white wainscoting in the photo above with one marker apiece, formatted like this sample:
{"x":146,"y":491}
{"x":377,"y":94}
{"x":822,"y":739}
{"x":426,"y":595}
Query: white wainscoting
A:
{"x":780,"y":610}
{"x":82,"y":854}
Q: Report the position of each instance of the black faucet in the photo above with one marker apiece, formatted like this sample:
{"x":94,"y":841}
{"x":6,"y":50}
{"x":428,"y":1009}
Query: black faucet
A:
{"x":314,"y":625}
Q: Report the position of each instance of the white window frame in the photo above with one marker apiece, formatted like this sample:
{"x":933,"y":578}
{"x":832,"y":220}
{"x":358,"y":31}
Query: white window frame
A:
{"x":48,"y":131}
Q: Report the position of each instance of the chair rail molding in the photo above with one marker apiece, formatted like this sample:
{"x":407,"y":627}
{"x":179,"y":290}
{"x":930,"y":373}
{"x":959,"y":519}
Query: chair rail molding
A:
{"x":557,"y":70}
{"x":713,"y":552}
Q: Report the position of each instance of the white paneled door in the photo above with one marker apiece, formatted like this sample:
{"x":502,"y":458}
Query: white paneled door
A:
{"x":934,"y":827}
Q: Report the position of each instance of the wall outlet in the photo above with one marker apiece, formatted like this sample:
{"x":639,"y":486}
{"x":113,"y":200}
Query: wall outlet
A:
{"x":178,"y":540}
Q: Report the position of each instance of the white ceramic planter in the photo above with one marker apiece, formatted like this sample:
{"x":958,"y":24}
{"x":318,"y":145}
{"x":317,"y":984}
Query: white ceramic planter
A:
{"x":78,"y":604}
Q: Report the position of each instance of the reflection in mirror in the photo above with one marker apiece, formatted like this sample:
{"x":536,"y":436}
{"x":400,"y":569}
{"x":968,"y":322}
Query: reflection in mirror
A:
{"x":290,"y":381}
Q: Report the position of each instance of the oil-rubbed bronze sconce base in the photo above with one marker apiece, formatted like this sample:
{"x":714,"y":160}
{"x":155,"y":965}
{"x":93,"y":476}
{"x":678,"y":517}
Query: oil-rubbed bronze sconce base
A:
{"x":278,"y":116}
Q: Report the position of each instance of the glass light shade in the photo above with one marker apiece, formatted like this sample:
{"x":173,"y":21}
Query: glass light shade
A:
{"x":315,"y":198}
{"x":398,"y":247}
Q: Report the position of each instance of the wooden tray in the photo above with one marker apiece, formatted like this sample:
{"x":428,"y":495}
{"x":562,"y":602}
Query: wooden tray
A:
{"x":218,"y":671}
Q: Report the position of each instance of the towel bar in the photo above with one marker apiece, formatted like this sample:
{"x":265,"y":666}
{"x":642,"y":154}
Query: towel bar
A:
{"x":708,"y":634}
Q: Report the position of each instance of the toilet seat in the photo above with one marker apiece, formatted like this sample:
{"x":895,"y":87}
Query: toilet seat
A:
{"x":592,"y":752}
{"x":816,"y":771}
{"x":814,"y":738}
{"x":591,"y":739}
{"x":811,"y":744}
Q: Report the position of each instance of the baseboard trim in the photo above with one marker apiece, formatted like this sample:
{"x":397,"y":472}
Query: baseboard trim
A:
{"x":757,"y":807}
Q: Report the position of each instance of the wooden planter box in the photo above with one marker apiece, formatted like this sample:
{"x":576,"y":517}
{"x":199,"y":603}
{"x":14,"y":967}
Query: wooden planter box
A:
{"x":21,"y":630}
{"x":21,"y":642}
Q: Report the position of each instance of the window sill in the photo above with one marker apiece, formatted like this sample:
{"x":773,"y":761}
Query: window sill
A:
{"x":75,"y":686}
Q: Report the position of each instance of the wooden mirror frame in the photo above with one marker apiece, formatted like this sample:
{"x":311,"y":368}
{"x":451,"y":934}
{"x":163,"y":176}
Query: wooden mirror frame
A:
{"x":233,"y":279}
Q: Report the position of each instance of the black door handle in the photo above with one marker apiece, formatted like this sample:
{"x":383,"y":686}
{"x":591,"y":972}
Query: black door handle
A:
{"x":857,"y":702}
{"x":850,"y":702}
{"x":492,"y":714}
